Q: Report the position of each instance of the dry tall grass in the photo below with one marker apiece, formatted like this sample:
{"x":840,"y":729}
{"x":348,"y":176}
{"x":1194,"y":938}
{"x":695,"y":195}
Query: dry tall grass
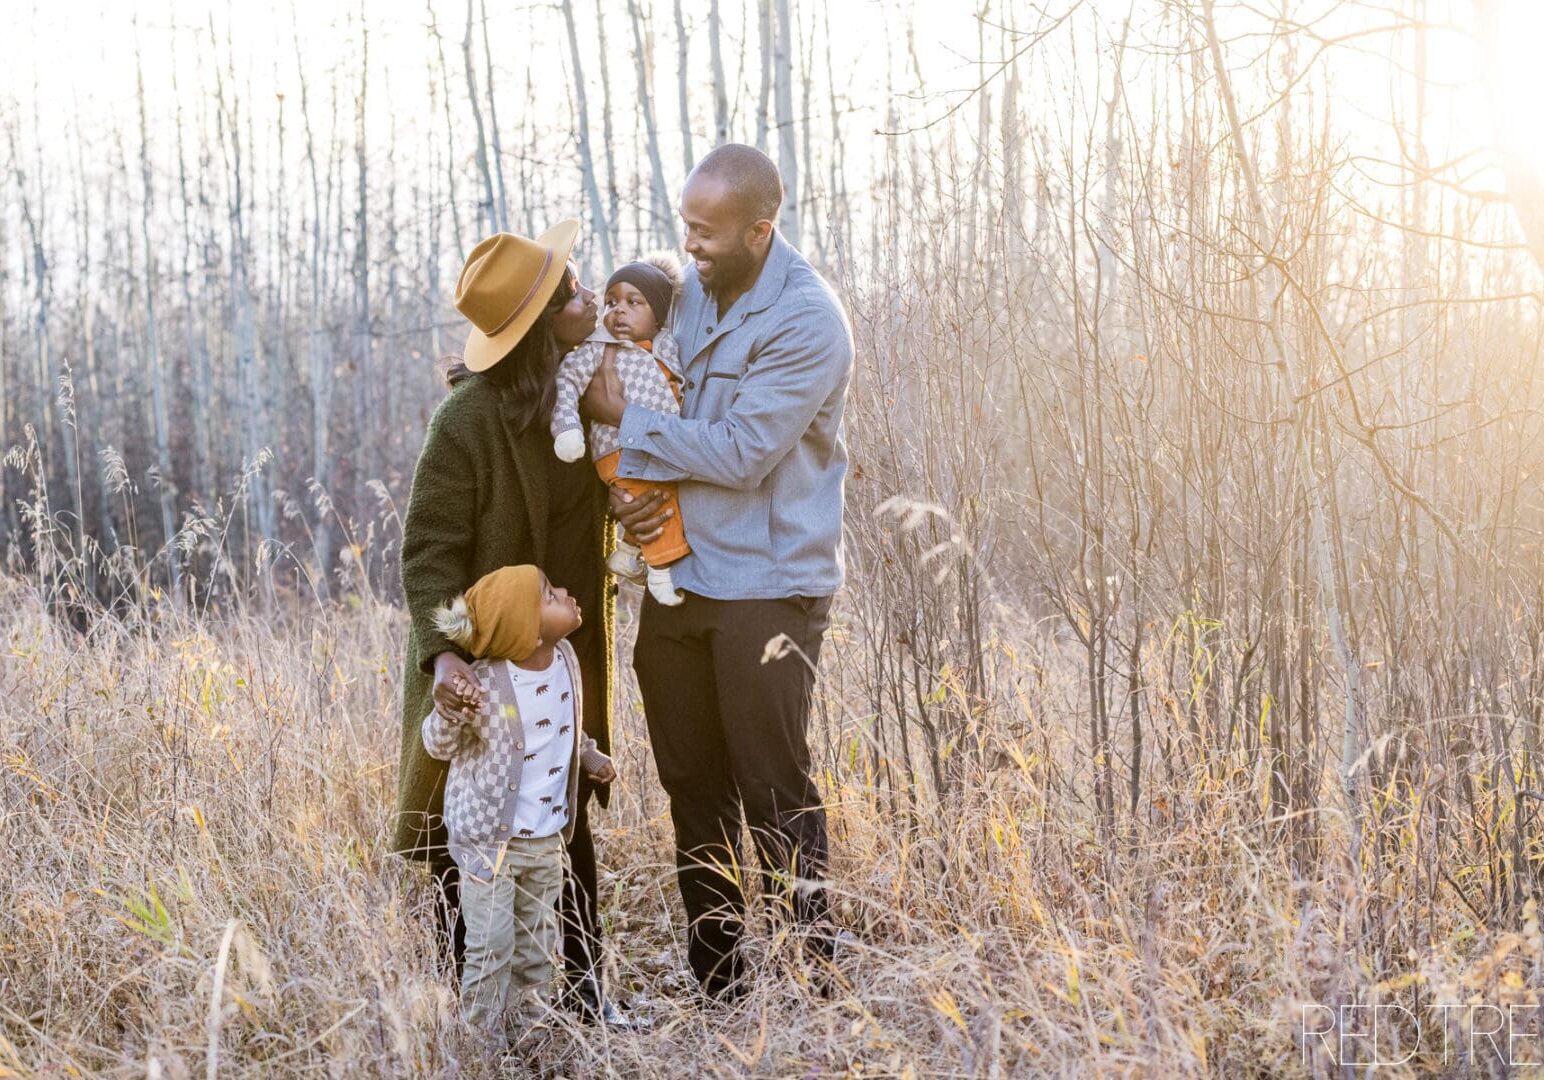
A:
{"x":1191,"y":670}
{"x":195,"y":882}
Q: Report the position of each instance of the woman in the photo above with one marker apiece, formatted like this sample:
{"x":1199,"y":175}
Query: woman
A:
{"x":489,"y":492}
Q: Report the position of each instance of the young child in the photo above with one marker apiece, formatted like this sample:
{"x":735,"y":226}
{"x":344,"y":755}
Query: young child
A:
{"x":647,"y":359}
{"x":510,"y":793}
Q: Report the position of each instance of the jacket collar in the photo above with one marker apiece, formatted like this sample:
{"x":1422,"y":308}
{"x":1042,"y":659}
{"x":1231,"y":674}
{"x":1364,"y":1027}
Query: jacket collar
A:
{"x":762,"y":295}
{"x":770,"y":282}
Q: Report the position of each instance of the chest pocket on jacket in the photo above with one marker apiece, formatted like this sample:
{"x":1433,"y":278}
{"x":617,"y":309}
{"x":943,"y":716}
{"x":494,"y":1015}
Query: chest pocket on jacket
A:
{"x":728,"y":362}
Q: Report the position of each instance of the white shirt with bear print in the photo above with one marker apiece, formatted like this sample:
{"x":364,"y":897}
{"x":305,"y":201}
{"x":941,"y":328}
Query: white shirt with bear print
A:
{"x":545,"y":702}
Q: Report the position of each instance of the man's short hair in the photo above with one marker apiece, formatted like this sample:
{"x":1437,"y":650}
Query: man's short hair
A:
{"x":752,"y":178}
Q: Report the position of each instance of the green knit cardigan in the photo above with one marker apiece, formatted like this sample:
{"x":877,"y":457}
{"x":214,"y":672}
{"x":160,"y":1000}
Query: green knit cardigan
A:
{"x":479,"y":502}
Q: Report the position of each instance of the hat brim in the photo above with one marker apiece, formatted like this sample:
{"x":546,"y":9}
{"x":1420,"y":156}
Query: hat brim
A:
{"x":485,"y":350}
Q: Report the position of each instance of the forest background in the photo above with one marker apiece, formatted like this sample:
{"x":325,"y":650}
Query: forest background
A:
{"x":1191,"y":668}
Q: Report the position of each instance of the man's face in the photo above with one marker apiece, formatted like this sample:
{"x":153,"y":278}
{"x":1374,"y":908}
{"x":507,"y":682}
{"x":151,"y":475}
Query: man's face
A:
{"x":718,"y":238}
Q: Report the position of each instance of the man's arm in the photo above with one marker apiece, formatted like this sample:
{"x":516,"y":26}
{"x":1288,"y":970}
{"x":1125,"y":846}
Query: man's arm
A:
{"x":788,"y":382}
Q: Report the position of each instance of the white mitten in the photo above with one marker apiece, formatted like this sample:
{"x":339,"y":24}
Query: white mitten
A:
{"x":662,"y":588}
{"x":569,"y":446}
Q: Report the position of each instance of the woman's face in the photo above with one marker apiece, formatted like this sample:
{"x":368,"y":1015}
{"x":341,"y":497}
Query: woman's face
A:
{"x":574,"y":322}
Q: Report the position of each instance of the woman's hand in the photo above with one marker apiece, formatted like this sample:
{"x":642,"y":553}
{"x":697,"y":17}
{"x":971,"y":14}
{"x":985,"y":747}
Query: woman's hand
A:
{"x":603,"y":400}
{"x":605,"y":774}
{"x":458,"y":696}
{"x":643,"y":516}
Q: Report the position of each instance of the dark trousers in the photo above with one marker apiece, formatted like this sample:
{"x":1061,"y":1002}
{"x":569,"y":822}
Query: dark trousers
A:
{"x":581,"y":927}
{"x":730,"y":731}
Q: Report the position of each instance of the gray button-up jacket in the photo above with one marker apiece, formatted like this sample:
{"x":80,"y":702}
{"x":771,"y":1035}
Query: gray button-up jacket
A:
{"x":758,"y":449}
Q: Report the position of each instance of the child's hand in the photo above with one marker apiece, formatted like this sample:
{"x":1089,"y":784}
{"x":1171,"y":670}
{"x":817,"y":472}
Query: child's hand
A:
{"x":605,"y":774}
{"x":457,"y":693}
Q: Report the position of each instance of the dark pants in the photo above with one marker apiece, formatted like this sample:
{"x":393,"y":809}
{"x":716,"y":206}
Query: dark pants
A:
{"x":581,"y":927}
{"x":730,"y":731}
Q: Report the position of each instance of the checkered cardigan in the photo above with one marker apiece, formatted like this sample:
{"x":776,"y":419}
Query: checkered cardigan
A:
{"x":486,"y":753}
{"x":643,"y":383}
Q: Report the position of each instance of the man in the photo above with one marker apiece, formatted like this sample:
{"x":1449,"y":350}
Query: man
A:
{"x":759,"y":459}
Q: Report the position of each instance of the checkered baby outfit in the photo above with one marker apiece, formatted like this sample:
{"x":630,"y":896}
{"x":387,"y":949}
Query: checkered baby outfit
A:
{"x":643,"y":383}
{"x":486,"y":755}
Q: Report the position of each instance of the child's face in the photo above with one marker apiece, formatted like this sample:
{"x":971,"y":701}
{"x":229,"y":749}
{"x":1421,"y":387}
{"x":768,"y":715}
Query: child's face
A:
{"x":628,"y":315}
{"x":560,"y":614}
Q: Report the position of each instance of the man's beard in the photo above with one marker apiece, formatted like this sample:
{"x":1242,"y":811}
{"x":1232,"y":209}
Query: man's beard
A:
{"x":729,"y":272}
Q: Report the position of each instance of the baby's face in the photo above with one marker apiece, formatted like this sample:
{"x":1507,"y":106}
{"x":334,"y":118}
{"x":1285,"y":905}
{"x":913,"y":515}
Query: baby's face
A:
{"x":628,"y":315}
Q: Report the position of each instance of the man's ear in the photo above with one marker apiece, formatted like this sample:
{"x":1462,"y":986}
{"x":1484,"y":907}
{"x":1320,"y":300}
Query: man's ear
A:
{"x":760,"y":232}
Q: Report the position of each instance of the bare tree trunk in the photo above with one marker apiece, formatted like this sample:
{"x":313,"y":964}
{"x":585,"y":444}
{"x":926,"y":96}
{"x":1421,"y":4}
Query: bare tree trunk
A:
{"x":83,"y":400}
{"x":493,"y":124}
{"x":659,"y":198}
{"x":195,"y":333}
{"x":682,"y":61}
{"x":720,"y":91}
{"x":787,"y":132}
{"x":52,"y":373}
{"x":807,"y":70}
{"x":764,"y":98}
{"x":450,"y":134}
{"x":607,"y":134}
{"x":841,"y":218}
{"x":166,"y":489}
{"x":365,"y":426}
{"x":586,"y":159}
{"x":254,"y":419}
{"x":318,"y":354}
{"x":1353,"y":736}
{"x":7,"y":525}
{"x":487,"y":221}
{"x":1013,"y":207}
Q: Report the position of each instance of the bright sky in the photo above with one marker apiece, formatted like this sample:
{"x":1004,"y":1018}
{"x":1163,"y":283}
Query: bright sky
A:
{"x":71,"y":65}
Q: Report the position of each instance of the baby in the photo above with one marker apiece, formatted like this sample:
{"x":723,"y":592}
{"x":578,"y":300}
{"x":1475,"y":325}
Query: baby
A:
{"x":647,"y":360}
{"x":511,"y":791}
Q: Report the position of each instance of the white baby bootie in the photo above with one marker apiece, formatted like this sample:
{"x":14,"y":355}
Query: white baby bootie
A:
{"x":569,"y":446}
{"x":662,"y":588}
{"x":627,"y":562}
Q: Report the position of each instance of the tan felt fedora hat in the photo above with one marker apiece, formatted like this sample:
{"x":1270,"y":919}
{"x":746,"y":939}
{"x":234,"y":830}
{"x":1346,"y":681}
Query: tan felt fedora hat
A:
{"x":505,"y":284}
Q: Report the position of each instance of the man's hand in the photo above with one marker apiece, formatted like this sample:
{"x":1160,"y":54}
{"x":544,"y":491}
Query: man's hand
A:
{"x":457,"y":693}
{"x":605,"y":774}
{"x":642,"y":516}
{"x":603,"y":399}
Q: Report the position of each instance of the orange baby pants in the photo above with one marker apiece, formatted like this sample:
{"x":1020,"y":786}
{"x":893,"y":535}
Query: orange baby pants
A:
{"x":671,"y":544}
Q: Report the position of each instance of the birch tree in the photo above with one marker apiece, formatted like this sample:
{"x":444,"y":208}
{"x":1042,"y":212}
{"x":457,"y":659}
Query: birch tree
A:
{"x":1318,"y":492}
{"x":598,"y":222}
{"x":450,"y":132}
{"x":720,"y":91}
{"x":787,"y":129}
{"x":487,"y":222}
{"x":683,"y":70}
{"x":166,"y":490}
{"x":248,"y":357}
{"x":764,"y":96}
{"x":607,"y":133}
{"x":319,"y":358}
{"x":659,"y":196}
{"x":493,"y":123}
